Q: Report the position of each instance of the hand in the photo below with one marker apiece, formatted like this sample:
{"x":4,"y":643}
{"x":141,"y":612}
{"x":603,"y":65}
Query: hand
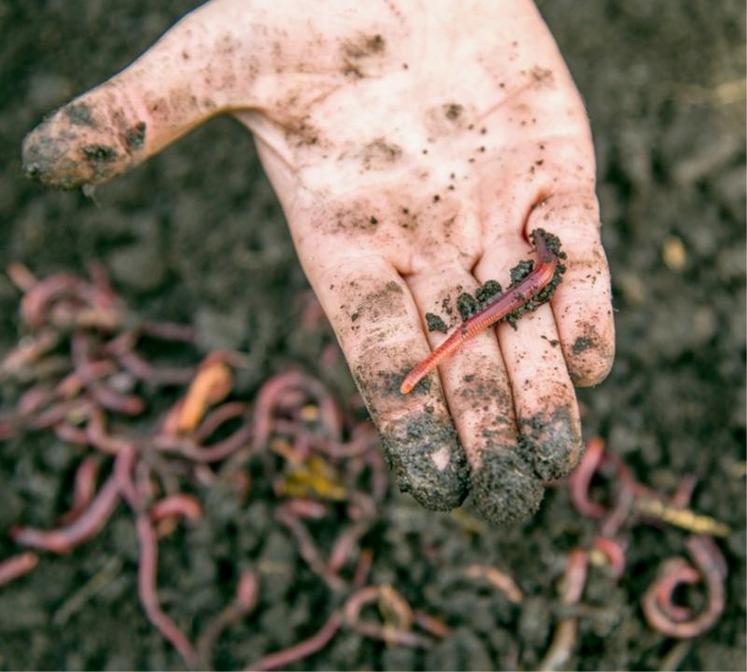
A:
{"x":412,"y":146}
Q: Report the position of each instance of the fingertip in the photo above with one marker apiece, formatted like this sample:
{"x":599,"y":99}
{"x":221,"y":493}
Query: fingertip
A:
{"x":504,"y":489}
{"x":551,"y":443}
{"x":589,"y":358}
{"x":427,"y":460}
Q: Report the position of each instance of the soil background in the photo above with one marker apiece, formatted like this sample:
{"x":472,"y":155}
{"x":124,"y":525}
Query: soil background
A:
{"x":195,"y":235}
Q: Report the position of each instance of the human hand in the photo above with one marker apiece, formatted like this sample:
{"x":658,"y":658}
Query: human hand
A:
{"x":412,"y":146}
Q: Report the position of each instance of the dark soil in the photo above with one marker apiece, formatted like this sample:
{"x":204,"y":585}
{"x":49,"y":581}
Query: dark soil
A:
{"x":201,"y":240}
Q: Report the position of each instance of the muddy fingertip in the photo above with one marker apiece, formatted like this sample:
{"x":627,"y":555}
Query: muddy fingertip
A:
{"x":504,"y":489}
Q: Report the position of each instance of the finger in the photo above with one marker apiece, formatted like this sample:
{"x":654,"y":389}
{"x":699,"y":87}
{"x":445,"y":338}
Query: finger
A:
{"x":503,"y":487}
{"x":544,"y":398}
{"x":378,"y":327}
{"x":185,"y":78}
{"x":582,"y":303}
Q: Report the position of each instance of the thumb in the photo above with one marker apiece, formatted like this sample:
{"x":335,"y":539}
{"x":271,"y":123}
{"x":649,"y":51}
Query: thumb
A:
{"x":185,"y":78}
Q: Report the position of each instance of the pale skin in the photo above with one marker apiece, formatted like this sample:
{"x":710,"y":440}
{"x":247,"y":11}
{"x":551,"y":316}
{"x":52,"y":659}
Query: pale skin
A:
{"x":412,"y":146}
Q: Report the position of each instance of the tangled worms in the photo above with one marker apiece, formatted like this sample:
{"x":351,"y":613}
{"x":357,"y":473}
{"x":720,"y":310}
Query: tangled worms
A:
{"x":85,"y":381}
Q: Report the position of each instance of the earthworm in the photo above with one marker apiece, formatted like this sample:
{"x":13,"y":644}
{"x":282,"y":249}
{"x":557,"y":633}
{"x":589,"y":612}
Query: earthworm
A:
{"x":580,"y":480}
{"x":398,"y":635}
{"x":182,"y":505}
{"x":301,"y":650}
{"x":308,"y":550}
{"x":148,"y":591}
{"x":499,"y":580}
{"x":614,"y":553}
{"x":84,"y":488}
{"x":566,"y":632}
{"x":16,"y":566}
{"x":536,"y":288}
{"x":122,"y":348}
{"x":86,"y":525}
{"x":247,"y":595}
{"x":666,"y":617}
{"x":128,"y":404}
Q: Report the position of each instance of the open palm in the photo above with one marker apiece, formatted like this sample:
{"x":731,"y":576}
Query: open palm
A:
{"x":412,"y":146}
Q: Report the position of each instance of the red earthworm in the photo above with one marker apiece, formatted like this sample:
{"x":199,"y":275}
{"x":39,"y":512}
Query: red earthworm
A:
{"x":85,"y":526}
{"x":431,"y":624}
{"x":308,"y":509}
{"x":182,"y":505}
{"x":271,"y":395}
{"x":148,"y":590}
{"x":613,"y":552}
{"x":308,"y":549}
{"x":168,"y":331}
{"x":499,"y":580}
{"x":29,"y":351}
{"x":362,"y":568}
{"x":59,"y":411}
{"x":657,"y":604}
{"x":129,"y":404}
{"x":397,"y":635}
{"x":71,"y":434}
{"x":71,"y":385}
{"x":343,"y":546}
{"x":218,"y":416}
{"x":16,"y":566}
{"x":580,"y":479}
{"x":566,"y":632}
{"x":247,"y":594}
{"x":526,"y":293}
{"x":220,"y":450}
{"x":84,"y":488}
{"x":122,"y":348}
{"x":34,"y":399}
{"x":281,"y":659}
{"x":98,"y":436}
{"x":674,"y":572}
{"x":21,"y":276}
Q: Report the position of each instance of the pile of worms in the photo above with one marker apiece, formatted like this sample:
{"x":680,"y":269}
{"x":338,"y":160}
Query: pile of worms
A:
{"x":86,"y":380}
{"x":630,"y":502}
{"x":146,"y":433}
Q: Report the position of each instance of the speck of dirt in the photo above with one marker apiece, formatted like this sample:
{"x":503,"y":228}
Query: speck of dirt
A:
{"x":79,"y":114}
{"x":435,"y":323}
{"x":581,"y":344}
{"x":354,"y":316}
{"x":521,"y":271}
{"x":453,"y":111}
{"x":99,"y":153}
{"x":487,"y":292}
{"x":373,"y":220}
{"x":135,"y":135}
{"x":467,"y":305}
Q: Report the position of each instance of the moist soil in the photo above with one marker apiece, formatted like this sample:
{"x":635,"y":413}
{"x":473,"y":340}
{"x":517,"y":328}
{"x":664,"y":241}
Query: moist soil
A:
{"x":195,"y":235}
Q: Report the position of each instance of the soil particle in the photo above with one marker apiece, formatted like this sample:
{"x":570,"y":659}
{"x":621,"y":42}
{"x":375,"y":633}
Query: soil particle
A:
{"x":461,"y":650}
{"x":427,"y":460}
{"x":487,"y":292}
{"x":99,"y":153}
{"x":435,"y":323}
{"x":79,"y":114}
{"x":550,"y":443}
{"x":521,"y":271}
{"x":581,"y":344}
{"x":467,"y":305}
{"x":453,"y":111}
{"x":504,"y":490}
{"x":380,"y":154}
{"x":135,"y":136}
